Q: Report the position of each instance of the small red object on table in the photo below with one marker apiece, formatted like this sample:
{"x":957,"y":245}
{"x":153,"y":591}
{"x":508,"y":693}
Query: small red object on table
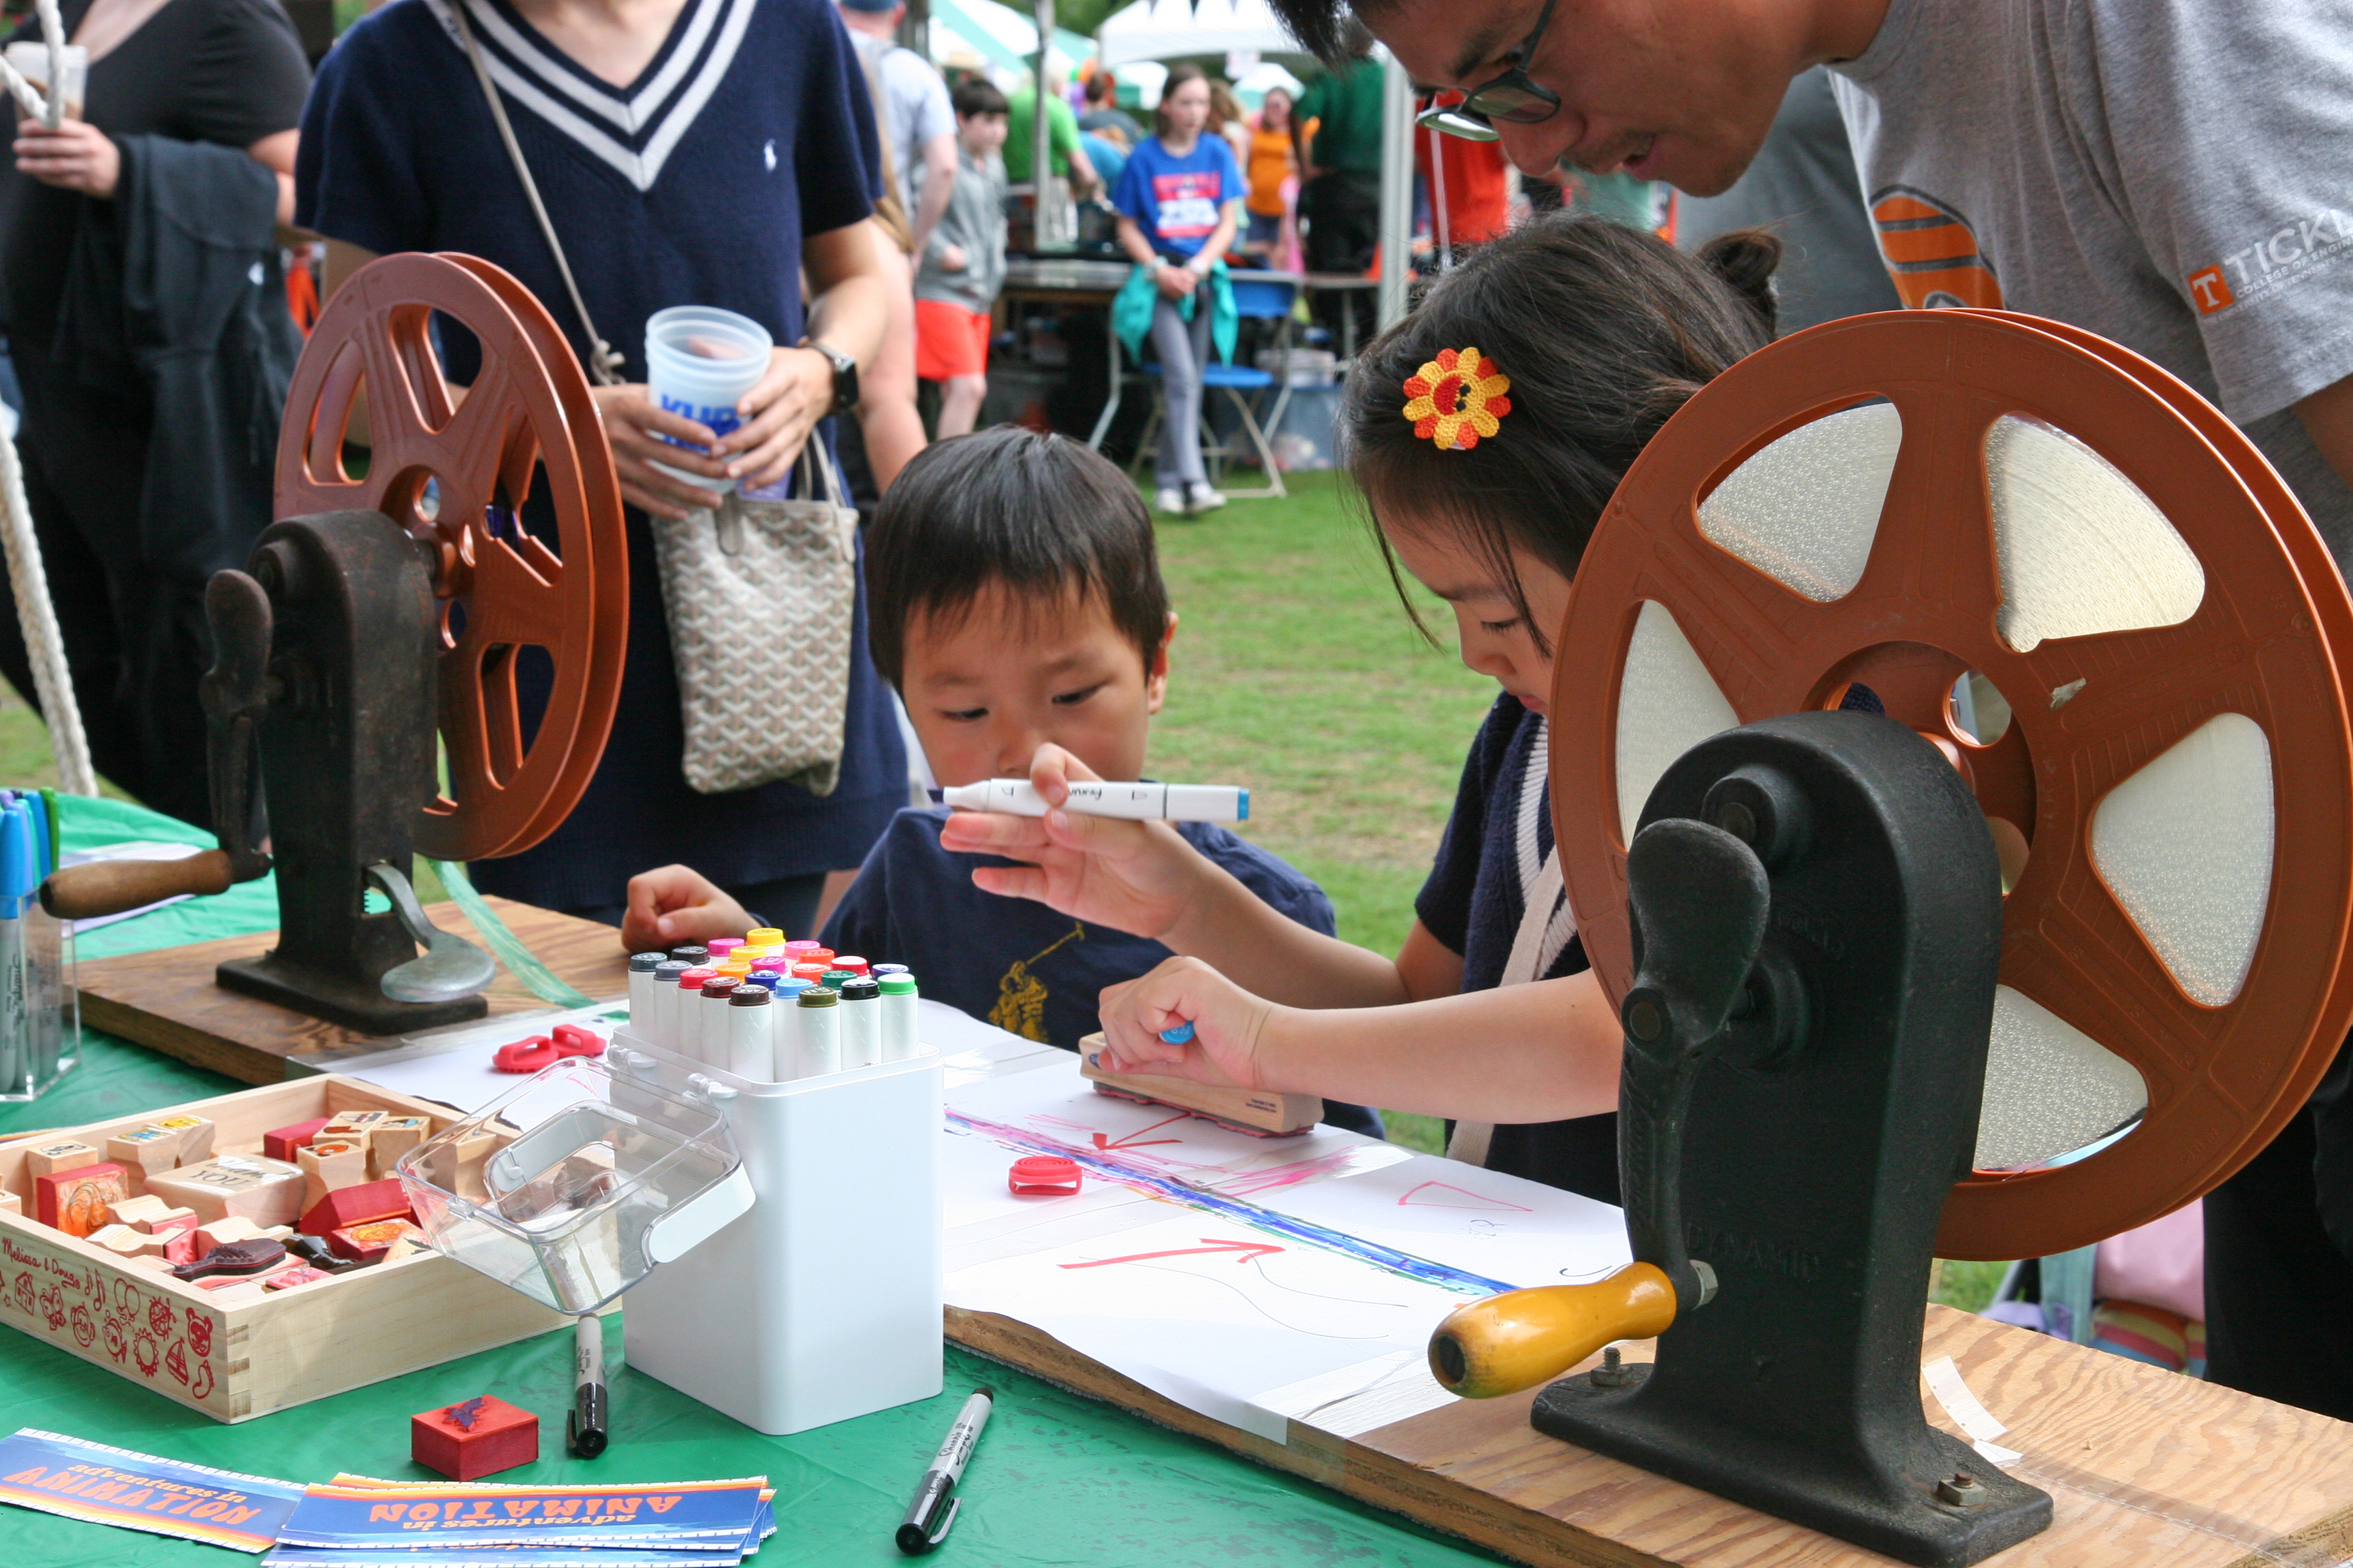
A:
{"x":524,"y":1055}
{"x":479,"y":1436}
{"x":281,"y":1144}
{"x":348,"y":1206}
{"x":572,"y":1040}
{"x":1044,"y":1175}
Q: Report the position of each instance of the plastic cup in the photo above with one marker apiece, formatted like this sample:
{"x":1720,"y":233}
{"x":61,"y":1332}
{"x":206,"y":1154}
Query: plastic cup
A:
{"x":32,"y":60}
{"x":700,"y":361}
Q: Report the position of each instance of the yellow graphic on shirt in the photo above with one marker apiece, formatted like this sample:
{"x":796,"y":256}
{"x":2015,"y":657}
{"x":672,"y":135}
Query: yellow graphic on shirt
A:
{"x":1021,"y":996}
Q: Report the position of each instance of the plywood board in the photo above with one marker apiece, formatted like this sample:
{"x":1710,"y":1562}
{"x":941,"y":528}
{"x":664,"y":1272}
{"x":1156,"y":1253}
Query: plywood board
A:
{"x":2144,"y":1466}
{"x":167,"y":1000}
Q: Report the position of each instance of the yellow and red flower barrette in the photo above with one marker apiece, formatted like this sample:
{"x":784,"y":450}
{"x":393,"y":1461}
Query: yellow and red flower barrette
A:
{"x":1457,"y":398}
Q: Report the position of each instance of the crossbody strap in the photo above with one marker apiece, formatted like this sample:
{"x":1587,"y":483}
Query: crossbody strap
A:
{"x":604,"y":365}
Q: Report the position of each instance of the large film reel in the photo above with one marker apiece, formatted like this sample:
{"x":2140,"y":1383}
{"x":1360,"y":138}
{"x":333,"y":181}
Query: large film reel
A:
{"x":2090,"y":590}
{"x":453,"y":467}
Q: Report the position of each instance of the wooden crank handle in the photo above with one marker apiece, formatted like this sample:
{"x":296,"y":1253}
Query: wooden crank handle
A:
{"x":110,"y":887}
{"x":1522,"y":1338}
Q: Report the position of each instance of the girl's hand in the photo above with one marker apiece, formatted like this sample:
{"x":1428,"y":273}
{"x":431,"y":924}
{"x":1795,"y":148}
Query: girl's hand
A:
{"x":1136,"y":877}
{"x":1229,"y":1026}
{"x":952,"y":258}
{"x":779,"y":416}
{"x":1175,"y":283}
{"x":635,"y":425}
{"x":76,"y":156}
{"x":677,"y":904}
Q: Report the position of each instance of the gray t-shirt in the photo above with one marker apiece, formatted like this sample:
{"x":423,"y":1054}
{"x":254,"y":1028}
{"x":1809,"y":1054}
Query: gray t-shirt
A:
{"x":2168,"y":174}
{"x":914,"y":109}
{"x":1801,"y":187}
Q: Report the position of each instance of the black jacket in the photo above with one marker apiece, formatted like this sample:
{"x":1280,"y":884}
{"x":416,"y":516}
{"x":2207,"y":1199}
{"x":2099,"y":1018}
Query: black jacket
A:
{"x":177,"y":281}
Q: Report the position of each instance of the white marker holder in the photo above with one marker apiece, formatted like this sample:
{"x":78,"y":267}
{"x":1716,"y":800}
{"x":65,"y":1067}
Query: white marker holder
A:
{"x":824,"y":1301}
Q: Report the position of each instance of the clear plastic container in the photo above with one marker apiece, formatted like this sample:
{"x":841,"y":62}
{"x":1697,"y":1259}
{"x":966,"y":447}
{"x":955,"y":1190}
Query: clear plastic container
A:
{"x":606,"y":1178}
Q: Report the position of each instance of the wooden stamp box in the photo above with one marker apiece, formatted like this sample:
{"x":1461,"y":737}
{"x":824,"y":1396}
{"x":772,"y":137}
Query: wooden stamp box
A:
{"x":244,"y":1357}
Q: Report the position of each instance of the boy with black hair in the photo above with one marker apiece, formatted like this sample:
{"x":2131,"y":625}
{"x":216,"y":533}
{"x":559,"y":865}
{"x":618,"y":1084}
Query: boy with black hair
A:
{"x":1015,"y":599}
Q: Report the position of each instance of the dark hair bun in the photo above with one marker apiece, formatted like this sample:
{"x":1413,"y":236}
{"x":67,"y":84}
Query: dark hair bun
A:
{"x":1745,"y":259}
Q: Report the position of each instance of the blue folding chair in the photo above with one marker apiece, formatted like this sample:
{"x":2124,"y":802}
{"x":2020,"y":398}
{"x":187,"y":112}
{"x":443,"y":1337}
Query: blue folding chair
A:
{"x":1258,"y":296}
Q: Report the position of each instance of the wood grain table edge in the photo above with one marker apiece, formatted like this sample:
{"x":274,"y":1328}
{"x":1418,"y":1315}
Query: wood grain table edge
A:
{"x":165,"y":998}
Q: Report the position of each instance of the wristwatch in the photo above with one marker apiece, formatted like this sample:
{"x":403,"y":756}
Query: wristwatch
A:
{"x":845,"y":375}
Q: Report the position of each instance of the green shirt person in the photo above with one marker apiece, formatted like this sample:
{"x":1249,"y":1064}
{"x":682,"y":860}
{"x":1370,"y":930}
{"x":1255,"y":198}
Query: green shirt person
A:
{"x":1069,"y":159}
{"x":1347,"y":101}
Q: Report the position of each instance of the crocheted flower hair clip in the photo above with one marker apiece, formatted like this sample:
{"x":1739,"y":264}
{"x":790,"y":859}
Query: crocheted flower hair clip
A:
{"x":1457,"y":398}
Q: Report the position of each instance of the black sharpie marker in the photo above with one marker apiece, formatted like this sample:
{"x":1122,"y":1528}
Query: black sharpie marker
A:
{"x":933,"y":1513}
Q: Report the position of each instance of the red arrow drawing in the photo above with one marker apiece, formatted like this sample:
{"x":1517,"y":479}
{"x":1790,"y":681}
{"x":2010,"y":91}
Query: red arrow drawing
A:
{"x":1103,"y":1141}
{"x":1244,"y":1250}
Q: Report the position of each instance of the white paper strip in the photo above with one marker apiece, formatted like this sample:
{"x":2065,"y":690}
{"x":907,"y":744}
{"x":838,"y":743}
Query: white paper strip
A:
{"x":1952,"y":1392}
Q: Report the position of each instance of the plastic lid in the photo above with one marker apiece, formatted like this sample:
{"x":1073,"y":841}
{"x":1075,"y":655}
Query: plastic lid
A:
{"x":860,"y":989}
{"x":837,"y":978}
{"x":669,"y":969}
{"x":694,"y":979}
{"x":819,"y":996}
{"x":646,"y":963}
{"x":766,"y":936}
{"x":812,"y":973}
{"x":786,"y":990}
{"x":897,"y":984}
{"x":800,"y":947}
{"x":880,"y":970}
{"x":748,"y":996}
{"x":1035,"y":1173}
{"x":720,"y":946}
{"x":719,"y":985}
{"x":820,"y":953}
{"x":852,"y":963}
{"x":693,"y":953}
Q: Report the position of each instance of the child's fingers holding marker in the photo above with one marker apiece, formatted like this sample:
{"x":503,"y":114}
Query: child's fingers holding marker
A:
{"x":1051,"y":771}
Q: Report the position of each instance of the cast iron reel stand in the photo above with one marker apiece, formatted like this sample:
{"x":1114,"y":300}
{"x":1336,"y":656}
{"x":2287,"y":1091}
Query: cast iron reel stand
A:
{"x":392,"y":606}
{"x":1848,"y":1050}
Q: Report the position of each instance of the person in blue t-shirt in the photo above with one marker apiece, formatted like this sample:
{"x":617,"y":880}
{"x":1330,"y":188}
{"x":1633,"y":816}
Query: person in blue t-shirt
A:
{"x":1018,"y":605}
{"x":706,"y":153}
{"x":1179,"y":201}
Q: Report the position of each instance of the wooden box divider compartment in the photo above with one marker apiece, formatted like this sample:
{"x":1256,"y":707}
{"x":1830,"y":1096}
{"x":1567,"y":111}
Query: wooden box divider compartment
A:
{"x":238,"y":1359}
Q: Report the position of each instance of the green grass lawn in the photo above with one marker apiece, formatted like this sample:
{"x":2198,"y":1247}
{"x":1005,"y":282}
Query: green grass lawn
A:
{"x":1294,"y":672}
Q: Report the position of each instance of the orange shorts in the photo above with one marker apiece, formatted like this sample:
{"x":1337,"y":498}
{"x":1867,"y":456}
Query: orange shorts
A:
{"x":950,"y":340}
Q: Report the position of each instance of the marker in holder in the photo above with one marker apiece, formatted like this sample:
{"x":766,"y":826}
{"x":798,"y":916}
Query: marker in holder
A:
{"x":862,"y":1022}
{"x":820,"y":1020}
{"x":641,"y":981}
{"x":659,"y":1023}
{"x":717,"y":991}
{"x":751,"y":1043}
{"x":898,"y":1003}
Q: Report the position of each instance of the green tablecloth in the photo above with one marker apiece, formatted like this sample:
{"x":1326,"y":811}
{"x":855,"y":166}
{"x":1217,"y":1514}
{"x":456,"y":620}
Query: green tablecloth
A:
{"x":1058,"y":1480}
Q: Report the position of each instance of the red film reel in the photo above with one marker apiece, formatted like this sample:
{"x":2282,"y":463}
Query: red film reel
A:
{"x":2089,"y":713}
{"x":499,"y":589}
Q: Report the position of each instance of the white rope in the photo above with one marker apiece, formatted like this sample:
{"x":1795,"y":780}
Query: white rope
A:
{"x":46,"y":649}
{"x":28,"y":97}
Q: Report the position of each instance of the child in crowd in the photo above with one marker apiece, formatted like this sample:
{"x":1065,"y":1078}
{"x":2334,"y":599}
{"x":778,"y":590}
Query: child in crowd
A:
{"x":963,"y":263}
{"x":1177,"y":202}
{"x":1487,"y":432}
{"x":1016,"y":602}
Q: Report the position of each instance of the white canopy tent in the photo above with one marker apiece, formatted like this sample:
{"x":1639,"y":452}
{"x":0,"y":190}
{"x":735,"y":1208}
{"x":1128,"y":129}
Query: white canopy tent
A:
{"x":1004,"y":38}
{"x":1178,"y":29}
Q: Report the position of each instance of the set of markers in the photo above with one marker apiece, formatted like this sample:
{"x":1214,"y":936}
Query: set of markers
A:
{"x":40,"y":1015}
{"x":771,"y":1010}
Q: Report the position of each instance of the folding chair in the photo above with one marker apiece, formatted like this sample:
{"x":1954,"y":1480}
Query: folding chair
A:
{"x":1261,"y":297}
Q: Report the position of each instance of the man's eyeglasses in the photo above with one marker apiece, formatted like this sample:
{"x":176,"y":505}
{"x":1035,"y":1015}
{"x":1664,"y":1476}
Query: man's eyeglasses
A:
{"x":1514,"y":97}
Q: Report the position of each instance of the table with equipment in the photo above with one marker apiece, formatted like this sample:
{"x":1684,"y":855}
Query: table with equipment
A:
{"x":1911,"y":664}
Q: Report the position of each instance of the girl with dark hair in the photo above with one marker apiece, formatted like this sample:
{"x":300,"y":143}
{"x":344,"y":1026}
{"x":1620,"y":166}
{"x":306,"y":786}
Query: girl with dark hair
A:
{"x":1179,"y":201}
{"x":1487,"y":432}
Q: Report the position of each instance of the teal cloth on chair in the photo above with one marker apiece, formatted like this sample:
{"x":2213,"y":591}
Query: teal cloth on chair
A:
{"x":1131,"y":313}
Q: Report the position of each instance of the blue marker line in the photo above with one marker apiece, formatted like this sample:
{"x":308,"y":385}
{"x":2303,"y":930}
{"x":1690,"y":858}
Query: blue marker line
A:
{"x":1300,"y":1230}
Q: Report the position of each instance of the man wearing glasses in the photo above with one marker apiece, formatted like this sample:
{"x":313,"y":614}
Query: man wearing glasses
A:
{"x":2176,"y":175}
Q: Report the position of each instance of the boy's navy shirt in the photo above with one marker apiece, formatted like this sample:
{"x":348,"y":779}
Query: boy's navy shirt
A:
{"x":1472,"y":902}
{"x":1016,"y":962}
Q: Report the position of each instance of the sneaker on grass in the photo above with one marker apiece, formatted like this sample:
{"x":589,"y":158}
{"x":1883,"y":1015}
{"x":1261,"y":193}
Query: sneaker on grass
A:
{"x":1200,"y":498}
{"x":1171,"y":501}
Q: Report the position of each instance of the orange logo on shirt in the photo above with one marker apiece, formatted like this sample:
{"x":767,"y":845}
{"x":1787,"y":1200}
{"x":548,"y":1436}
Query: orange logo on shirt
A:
{"x":1932,"y":253}
{"x":2210,"y":292}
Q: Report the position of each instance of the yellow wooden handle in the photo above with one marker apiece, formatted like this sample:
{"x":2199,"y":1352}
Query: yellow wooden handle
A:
{"x":1521,"y":1338}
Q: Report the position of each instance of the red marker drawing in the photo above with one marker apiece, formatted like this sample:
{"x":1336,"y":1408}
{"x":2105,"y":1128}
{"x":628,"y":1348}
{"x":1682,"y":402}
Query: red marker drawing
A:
{"x":1103,"y":1140}
{"x":1245,"y":1250}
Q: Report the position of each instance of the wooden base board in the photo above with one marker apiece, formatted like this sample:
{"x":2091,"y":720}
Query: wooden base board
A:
{"x":167,"y":1000}
{"x":2144,"y":1466}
